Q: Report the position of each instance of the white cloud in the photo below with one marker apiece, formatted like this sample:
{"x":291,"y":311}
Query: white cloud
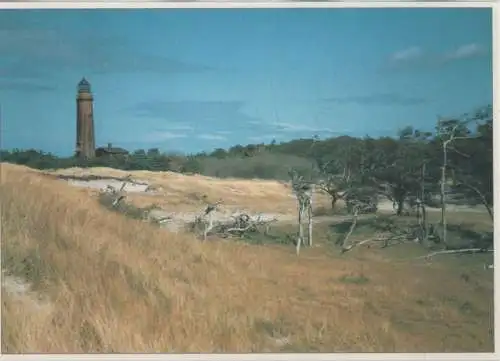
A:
{"x":223,"y":132}
{"x":292,"y":127}
{"x":167,"y":131}
{"x":465,"y":51}
{"x":211,"y":137}
{"x":411,"y":53}
{"x":262,"y":138}
{"x":415,"y":58}
{"x":285,"y":127}
{"x":159,"y":136}
{"x":178,"y":126}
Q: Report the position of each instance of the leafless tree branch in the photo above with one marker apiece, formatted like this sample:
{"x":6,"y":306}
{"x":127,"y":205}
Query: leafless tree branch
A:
{"x":455,"y":251}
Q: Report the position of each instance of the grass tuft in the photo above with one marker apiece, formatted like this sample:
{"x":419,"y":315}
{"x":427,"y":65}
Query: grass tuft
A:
{"x":354,"y":279}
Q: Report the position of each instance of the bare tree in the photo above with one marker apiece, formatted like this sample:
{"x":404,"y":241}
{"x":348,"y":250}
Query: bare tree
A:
{"x":448,"y":131}
{"x":421,"y":209}
{"x":361,"y":200}
{"x":337,"y":175}
{"x":472,"y":168}
{"x":335,"y":185}
{"x":303,"y":191}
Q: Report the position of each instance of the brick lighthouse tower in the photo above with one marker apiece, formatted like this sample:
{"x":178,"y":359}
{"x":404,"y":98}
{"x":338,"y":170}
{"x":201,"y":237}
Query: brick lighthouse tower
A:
{"x":85,"y":141}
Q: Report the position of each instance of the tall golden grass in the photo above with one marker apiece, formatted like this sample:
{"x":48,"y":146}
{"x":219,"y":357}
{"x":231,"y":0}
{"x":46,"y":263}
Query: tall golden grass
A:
{"x":189,"y":192}
{"x":111,"y":284}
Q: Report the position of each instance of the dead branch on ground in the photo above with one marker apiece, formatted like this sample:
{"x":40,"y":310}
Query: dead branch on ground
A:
{"x":455,"y":251}
{"x":237,"y":225}
{"x":118,"y":194}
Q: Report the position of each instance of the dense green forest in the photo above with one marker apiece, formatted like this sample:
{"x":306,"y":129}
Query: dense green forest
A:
{"x":456,"y":157}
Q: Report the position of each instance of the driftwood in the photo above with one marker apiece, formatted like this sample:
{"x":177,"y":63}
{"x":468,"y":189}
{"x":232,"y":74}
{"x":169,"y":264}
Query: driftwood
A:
{"x":206,"y":218}
{"x":243,"y":223}
{"x":237,"y":225}
{"x":385,"y":240}
{"x":206,"y":222}
{"x":118,"y":194}
{"x":455,"y":251}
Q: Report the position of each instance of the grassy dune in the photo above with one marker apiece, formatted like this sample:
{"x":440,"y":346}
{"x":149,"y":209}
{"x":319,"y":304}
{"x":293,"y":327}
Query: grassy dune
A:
{"x":190,"y":192}
{"x":105,"y":283}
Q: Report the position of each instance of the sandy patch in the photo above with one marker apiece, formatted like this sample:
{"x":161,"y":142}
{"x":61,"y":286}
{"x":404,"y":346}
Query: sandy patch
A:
{"x":20,"y":290}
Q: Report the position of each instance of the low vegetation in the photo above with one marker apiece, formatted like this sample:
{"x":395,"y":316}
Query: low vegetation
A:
{"x":115,"y":284}
{"x":82,"y":274}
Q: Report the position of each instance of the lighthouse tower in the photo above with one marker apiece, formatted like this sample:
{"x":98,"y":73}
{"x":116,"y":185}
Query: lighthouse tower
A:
{"x":85,"y":141}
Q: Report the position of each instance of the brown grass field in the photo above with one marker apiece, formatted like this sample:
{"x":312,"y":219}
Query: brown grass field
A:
{"x":188,"y":192}
{"x":101,"y":282}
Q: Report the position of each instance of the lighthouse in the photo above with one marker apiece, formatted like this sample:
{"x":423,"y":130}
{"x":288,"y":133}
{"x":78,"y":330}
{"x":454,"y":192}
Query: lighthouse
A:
{"x":85,"y":141}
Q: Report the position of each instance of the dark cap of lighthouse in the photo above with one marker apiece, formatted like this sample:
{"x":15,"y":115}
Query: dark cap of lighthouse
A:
{"x":83,"y":86}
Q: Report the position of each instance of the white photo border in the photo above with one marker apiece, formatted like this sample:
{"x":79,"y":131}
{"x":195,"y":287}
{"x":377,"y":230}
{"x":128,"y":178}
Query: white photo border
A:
{"x":134,"y":4}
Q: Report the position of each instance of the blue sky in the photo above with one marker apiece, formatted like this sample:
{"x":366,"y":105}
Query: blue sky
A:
{"x":196,"y":79}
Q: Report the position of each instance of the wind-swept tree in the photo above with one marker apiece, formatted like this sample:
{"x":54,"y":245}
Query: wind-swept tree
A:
{"x":470,"y":158}
{"x":340,"y":169}
{"x":395,"y":166}
{"x":466,"y":170}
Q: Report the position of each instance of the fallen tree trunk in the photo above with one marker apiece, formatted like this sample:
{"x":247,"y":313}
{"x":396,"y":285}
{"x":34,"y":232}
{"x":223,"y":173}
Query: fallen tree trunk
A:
{"x":456,"y":251}
{"x":235,"y":226}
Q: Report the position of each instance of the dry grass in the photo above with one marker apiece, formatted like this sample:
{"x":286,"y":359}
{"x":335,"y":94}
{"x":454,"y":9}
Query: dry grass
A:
{"x":190,"y":192}
{"x":119,"y":285}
